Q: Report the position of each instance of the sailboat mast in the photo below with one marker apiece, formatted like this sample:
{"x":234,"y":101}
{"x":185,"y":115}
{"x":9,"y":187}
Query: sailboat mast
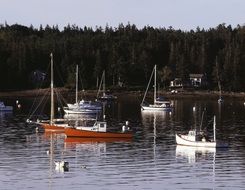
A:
{"x":214,"y":128}
{"x":201,"y":121}
{"x":52,"y":91}
{"x":155,"y":84}
{"x":103,"y":83}
{"x":77,"y":84}
{"x":218,"y":76}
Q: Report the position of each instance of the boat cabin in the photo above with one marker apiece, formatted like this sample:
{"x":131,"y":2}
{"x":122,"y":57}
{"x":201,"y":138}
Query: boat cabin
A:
{"x":99,"y":126}
{"x":2,"y":105}
{"x":191,"y":135}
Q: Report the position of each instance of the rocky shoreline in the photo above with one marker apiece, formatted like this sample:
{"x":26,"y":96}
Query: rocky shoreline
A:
{"x":92,"y":93}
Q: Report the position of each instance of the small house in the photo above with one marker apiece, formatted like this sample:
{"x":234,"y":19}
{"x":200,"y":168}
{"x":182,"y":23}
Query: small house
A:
{"x":198,"y":80}
{"x":176,"y":83}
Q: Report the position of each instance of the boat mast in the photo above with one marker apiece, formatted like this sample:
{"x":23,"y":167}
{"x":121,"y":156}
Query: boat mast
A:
{"x":214,"y":128}
{"x":52,"y":92}
{"x":155,"y":84}
{"x":77,"y":84}
{"x":201,"y":121}
{"x":218,"y":76}
{"x":104,"y":83}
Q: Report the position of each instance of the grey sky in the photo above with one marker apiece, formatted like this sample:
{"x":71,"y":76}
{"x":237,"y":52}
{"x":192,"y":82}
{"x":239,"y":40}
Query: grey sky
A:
{"x":180,"y":14}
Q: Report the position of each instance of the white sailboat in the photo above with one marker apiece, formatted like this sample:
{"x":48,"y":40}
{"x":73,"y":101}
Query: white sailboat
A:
{"x":104,"y":96}
{"x":197,"y":139}
{"x":159,"y":104}
{"x":82,"y":107}
{"x":3,"y":107}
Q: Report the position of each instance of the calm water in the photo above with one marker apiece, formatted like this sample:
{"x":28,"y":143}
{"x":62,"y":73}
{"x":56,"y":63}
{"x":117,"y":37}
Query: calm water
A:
{"x":151,"y":160}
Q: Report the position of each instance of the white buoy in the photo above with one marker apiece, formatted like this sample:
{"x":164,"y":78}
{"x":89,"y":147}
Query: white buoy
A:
{"x":123,"y":128}
{"x":194,"y":108}
{"x":36,"y":129}
{"x":17,"y":101}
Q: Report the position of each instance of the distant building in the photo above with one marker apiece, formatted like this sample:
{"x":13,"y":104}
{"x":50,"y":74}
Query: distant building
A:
{"x":198,"y":80}
{"x":194,"y":81}
{"x":37,"y":77}
{"x":176,"y":83}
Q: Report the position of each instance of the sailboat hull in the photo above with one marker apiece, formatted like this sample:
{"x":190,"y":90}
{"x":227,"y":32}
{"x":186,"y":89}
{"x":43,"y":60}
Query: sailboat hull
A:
{"x":80,"y":111}
{"x":155,"y":108}
{"x":71,"y":132}
{"x":183,"y":141}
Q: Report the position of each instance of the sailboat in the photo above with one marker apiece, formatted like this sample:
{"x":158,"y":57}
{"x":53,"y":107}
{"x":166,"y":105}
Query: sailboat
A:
{"x":105,"y":96}
{"x":159,"y":103}
{"x":3,"y":107}
{"x":197,"y":139}
{"x":82,"y":107}
{"x":52,"y":124}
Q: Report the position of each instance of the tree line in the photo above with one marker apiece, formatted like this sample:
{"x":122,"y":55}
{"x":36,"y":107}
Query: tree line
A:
{"x":126,"y":53}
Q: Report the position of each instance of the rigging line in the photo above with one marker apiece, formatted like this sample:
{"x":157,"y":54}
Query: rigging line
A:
{"x":59,"y":97}
{"x":38,"y":93}
{"x":45,"y":102}
{"x":39,"y":104}
{"x":59,"y":74}
{"x":148,"y":87}
{"x":101,"y":80}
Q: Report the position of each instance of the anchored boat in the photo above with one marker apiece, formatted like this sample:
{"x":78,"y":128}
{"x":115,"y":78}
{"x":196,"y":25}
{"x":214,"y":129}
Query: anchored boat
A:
{"x":3,"y":107}
{"x":159,"y":103}
{"x":97,"y":130}
{"x":197,"y":139}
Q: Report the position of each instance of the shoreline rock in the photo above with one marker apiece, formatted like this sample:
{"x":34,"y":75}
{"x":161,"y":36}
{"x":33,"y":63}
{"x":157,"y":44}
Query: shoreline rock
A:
{"x":92,"y":93}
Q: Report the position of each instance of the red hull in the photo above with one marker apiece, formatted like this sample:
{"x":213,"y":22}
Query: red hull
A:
{"x":70,"y":132}
{"x":54,"y":127}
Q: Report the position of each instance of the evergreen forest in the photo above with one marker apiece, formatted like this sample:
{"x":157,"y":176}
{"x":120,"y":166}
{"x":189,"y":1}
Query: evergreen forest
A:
{"x":126,"y":53}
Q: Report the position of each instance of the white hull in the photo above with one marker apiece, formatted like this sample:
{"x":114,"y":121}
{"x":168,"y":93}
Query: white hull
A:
{"x":155,"y":108}
{"x":182,"y":141}
{"x":6,"y":108}
{"x":80,"y":111}
{"x":84,"y":106}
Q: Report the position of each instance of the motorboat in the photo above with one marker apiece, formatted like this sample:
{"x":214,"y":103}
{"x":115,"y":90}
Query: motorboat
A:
{"x":97,"y":130}
{"x":198,"y":139}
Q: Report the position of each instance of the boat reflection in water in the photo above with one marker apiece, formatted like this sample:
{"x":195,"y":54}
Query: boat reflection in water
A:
{"x":74,"y":140}
{"x":92,"y":146}
{"x":193,"y":154}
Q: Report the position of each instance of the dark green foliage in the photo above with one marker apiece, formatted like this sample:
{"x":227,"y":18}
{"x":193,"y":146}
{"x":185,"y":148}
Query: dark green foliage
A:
{"x":126,"y":53}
